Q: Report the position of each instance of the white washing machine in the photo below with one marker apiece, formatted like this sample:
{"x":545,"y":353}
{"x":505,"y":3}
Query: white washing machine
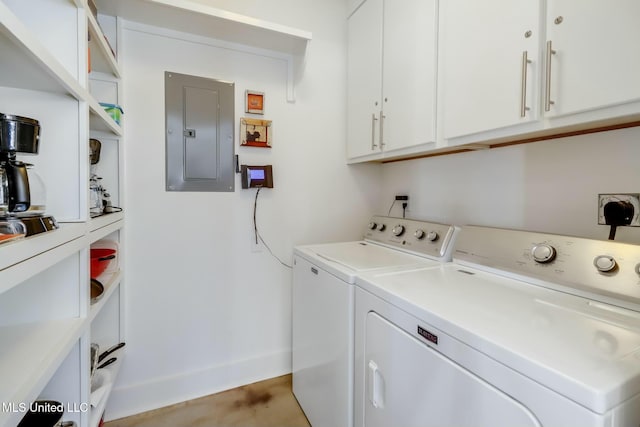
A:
{"x":323,"y":306}
{"x":521,"y":329}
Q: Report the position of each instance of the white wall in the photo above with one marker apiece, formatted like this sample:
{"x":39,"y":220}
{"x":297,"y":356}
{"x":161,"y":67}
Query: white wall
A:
{"x":203,"y":312}
{"x":550,"y":186}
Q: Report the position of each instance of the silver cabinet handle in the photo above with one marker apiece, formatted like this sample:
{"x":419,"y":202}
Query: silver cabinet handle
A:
{"x":373,"y":131}
{"x":382,"y":117}
{"x":523,"y":96}
{"x":547,"y":97}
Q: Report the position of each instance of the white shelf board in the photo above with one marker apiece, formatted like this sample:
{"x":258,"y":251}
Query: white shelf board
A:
{"x":24,"y":258}
{"x":104,"y":225}
{"x":25,"y":63}
{"x":102,"y":58}
{"x":111,"y":374}
{"x":207,"y":21}
{"x":111,"y":282}
{"x":99,"y":119}
{"x":29,"y":356}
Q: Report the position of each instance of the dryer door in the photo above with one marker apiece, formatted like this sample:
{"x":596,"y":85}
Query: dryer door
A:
{"x":411,"y":385}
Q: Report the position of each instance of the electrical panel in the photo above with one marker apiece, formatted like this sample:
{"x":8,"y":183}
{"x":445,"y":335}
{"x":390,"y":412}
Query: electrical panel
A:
{"x":199,"y":133}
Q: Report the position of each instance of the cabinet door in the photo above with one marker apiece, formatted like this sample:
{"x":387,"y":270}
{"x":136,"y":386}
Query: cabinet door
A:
{"x":364,"y":77}
{"x":409,"y":73}
{"x":597,"y":61}
{"x":482,"y":45}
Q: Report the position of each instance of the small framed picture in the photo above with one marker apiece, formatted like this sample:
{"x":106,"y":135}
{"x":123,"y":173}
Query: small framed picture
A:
{"x":254,"y":102}
{"x":255,"y":133}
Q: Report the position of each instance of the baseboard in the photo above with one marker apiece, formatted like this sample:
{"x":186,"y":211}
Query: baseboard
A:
{"x":134,"y":399}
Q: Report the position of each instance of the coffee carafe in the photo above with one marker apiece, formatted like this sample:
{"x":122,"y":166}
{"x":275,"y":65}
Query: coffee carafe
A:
{"x":21,"y":135}
{"x":17,"y":184}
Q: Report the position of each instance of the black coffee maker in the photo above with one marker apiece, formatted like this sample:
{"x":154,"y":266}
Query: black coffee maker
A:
{"x":20,"y":135}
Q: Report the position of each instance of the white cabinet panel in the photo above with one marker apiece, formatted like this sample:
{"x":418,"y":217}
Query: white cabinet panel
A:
{"x":364,"y":76}
{"x":596,"y":62}
{"x":482,"y":48}
{"x":409,"y":74}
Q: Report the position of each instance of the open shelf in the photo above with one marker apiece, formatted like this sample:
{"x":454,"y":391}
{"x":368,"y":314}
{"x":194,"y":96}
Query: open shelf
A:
{"x":99,"y":119}
{"x":111,"y":282}
{"x":207,"y":21}
{"x":107,"y":376}
{"x":104,"y":225}
{"x":28,"y":257}
{"x":102,"y":58}
{"x":26,"y":64}
{"x":29,"y":356}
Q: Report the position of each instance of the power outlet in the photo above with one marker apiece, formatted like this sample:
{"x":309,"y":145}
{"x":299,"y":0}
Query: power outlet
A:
{"x":633,"y":199}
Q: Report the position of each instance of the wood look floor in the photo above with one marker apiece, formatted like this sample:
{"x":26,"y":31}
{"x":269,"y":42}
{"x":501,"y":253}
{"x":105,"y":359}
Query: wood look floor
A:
{"x":267,"y":403}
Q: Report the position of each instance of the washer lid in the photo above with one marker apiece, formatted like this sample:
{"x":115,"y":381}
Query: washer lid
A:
{"x":346,"y":259}
{"x":585,"y":350}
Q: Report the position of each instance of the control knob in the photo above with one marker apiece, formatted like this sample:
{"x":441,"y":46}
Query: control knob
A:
{"x":419,"y":234}
{"x":432,"y":236}
{"x":543,"y":253}
{"x":398,"y":230}
{"x":604,"y":263}
{"x":382,"y":227}
{"x":372,"y":226}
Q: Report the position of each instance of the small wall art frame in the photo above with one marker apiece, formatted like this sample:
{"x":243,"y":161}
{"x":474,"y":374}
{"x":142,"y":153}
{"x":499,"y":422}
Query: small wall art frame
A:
{"x":254,"y":102}
{"x":255,"y":133}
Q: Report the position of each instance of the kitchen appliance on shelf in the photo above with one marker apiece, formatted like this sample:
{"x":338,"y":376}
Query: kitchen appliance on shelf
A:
{"x":25,"y":192}
{"x":99,"y":197}
{"x":521,"y":329}
{"x":323,"y":306}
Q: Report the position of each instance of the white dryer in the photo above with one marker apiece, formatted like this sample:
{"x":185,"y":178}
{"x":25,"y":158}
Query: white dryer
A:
{"x":323,"y":306}
{"x":522,"y":329}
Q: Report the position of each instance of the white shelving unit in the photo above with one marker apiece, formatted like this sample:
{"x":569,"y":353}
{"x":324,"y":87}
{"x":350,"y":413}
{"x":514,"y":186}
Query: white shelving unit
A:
{"x":46,"y":320}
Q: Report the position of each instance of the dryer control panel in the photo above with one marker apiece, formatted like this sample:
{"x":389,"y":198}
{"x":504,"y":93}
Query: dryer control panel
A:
{"x":605,"y":269}
{"x":424,"y":238}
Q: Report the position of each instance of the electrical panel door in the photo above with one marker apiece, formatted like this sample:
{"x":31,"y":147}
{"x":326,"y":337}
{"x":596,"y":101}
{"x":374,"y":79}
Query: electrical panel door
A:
{"x":199,"y":133}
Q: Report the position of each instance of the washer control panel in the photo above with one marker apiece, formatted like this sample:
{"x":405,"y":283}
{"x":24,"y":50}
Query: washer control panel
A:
{"x":422,"y":237}
{"x":603,"y":267}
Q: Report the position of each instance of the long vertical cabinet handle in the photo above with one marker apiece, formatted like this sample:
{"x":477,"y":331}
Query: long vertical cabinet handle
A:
{"x":547,"y":97}
{"x":523,"y":96}
{"x":382,"y":117}
{"x":373,"y":131}
{"x":376,"y":386}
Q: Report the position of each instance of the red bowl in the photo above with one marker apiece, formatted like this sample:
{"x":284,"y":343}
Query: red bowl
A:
{"x":100,"y":260}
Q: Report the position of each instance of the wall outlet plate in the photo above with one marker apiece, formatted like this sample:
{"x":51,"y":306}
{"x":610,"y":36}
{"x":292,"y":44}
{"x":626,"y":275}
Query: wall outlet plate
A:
{"x":634,"y":199}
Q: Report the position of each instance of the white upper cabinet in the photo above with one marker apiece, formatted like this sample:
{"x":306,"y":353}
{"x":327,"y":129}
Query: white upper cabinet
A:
{"x":596,"y":62}
{"x":511,"y":70}
{"x":392,"y":53}
{"x":490,"y":63}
